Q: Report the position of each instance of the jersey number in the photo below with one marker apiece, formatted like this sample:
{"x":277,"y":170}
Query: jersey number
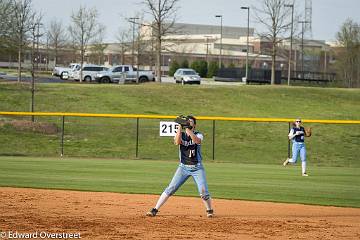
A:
{"x":191,"y":153}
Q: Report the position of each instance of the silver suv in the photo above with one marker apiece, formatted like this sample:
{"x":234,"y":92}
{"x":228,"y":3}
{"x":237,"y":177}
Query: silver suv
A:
{"x":187,"y":75}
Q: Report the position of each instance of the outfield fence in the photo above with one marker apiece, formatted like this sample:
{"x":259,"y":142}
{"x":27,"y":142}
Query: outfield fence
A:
{"x":84,"y":137}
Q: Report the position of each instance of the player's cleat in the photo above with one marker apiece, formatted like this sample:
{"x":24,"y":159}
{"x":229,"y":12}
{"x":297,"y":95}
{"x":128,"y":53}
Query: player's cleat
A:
{"x":305,"y":175}
{"x":286,"y":162}
{"x":210,"y":213}
{"x":152,"y":212}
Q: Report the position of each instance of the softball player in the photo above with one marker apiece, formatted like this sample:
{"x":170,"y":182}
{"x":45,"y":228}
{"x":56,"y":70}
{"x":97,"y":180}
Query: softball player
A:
{"x":297,"y":135}
{"x":190,"y":157}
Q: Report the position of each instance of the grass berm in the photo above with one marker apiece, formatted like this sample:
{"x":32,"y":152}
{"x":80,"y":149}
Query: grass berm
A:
{"x":236,"y":142}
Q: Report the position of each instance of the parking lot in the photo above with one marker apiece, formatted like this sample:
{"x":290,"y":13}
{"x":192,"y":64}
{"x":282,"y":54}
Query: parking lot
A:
{"x":164,"y":79}
{"x":204,"y":81}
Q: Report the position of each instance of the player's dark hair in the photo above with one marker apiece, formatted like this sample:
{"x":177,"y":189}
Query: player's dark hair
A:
{"x":193,"y":118}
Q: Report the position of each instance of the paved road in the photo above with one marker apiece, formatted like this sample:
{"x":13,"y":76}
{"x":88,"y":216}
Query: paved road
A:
{"x":204,"y":82}
{"x":38,"y":80}
{"x":164,"y":80}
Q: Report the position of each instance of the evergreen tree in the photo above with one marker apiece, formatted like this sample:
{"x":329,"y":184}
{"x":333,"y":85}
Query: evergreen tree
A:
{"x":173,"y":67}
{"x":203,"y":68}
{"x":184,"y":64}
{"x":231,"y":65}
{"x":195,"y":65}
{"x":213,"y":69}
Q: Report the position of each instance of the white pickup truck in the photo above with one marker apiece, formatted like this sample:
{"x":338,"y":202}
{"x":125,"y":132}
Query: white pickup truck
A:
{"x":59,"y":71}
{"x":124,"y":74}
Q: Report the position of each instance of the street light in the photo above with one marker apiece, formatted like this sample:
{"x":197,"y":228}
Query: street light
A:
{"x":207,"y":48}
{"x":133,"y":21}
{"x":247,"y":42}
{"x":291,"y":40}
{"x":221,"y":19}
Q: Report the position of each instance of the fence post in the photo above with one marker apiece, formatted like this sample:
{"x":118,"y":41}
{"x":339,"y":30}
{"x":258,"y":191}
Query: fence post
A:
{"x":62,"y":136}
{"x":137,"y":138}
{"x":289,"y":143}
{"x":213,"y":150}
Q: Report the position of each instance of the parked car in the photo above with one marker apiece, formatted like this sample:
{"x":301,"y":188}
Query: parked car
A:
{"x":125,"y":74}
{"x":59,"y":71}
{"x":88,"y":73}
{"x":187,"y":76}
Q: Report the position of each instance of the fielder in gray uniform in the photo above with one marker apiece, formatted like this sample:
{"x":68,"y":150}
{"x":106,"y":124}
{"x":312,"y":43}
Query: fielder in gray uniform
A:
{"x":189,"y":142}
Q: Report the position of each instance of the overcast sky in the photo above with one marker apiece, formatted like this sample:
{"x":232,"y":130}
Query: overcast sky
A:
{"x":327,"y":17}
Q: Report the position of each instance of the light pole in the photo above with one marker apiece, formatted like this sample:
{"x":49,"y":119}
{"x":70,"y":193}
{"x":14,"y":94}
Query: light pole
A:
{"x":291,"y":39}
{"x":247,"y":42}
{"x":207,"y":48}
{"x":133,"y":21}
{"x":221,"y":20}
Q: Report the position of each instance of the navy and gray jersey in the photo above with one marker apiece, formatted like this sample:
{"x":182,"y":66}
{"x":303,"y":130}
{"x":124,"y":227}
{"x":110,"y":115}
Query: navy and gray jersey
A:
{"x":190,"y":152}
{"x":298,"y":138}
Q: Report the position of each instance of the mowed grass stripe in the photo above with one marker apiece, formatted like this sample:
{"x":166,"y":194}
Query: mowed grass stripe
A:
{"x":325,"y":186}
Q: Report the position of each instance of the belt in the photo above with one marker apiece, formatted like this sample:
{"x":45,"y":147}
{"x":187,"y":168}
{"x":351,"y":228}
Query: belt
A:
{"x":192,"y":165}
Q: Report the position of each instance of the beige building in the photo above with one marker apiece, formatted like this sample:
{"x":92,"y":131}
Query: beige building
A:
{"x":200,"y":42}
{"x":192,"y":42}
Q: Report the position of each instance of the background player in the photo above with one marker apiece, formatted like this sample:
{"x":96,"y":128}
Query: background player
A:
{"x":297,"y":135}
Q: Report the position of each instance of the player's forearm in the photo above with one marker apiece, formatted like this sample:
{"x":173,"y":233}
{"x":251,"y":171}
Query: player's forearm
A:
{"x":193,"y":136}
{"x":177,"y":139}
{"x":291,"y":136}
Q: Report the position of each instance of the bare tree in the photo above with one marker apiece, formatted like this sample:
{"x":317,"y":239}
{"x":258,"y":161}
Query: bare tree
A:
{"x":124,"y":40}
{"x":274,"y":16}
{"x":84,"y":28}
{"x":22,"y":17}
{"x":57,"y":37}
{"x":98,"y":47}
{"x":348,"y":59}
{"x":34,"y":23}
{"x":163,"y":13}
{"x":5,"y":18}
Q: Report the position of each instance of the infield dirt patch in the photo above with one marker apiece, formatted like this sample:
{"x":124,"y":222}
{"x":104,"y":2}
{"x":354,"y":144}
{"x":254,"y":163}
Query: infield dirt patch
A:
{"x":97,"y":215}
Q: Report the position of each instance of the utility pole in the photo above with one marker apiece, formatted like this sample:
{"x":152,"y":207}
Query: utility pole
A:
{"x":207,"y":48}
{"x":137,"y":56}
{"x":247,"y":42}
{"x":291,"y":40}
{"x":133,"y":21}
{"x":220,"y":56}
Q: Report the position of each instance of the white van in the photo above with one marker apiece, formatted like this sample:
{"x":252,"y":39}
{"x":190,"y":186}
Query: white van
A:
{"x":89,"y":72}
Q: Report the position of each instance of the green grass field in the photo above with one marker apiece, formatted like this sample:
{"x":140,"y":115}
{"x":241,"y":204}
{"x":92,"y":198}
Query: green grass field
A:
{"x":264,"y":143}
{"x":100,"y":151}
{"x":325,"y":185}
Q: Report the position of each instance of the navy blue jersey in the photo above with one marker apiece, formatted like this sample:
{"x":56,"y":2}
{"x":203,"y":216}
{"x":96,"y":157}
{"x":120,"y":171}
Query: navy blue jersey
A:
{"x":190,"y":152}
{"x":301,"y":137}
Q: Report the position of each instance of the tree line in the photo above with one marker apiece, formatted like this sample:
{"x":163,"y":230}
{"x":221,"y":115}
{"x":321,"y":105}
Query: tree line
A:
{"x":348,"y":55}
{"x":22,"y":27}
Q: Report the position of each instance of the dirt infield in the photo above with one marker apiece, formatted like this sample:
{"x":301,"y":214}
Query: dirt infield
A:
{"x":122,"y":216}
